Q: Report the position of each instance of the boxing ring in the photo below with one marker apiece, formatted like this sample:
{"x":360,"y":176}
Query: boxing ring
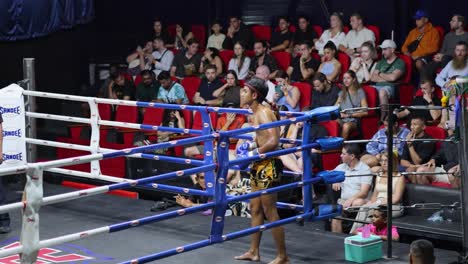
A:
{"x":215,"y":169}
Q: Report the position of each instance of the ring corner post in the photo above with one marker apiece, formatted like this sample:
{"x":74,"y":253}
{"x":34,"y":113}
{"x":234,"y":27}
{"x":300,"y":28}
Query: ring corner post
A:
{"x":29,"y":73}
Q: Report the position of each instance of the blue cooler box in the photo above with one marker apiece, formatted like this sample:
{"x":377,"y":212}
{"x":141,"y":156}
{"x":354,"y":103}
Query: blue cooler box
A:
{"x":362,"y":250}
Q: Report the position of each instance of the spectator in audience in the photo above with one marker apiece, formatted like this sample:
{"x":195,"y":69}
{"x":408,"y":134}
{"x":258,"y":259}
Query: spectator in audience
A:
{"x":121,"y":88}
{"x":445,"y":162}
{"x":263,"y":73}
{"x":170,"y":92}
{"x":427,"y":99}
{"x":107,"y":76}
{"x":458,"y":66}
{"x":304,"y":33}
{"x":355,"y":188}
{"x":416,"y":153}
{"x":171,"y":118}
{"x":457,"y":33}
{"x":351,"y":96}
{"x":230,"y":91}
{"x":209,"y":84}
{"x":147,"y":90}
{"x":421,"y":252}
{"x":380,"y":194}
{"x":386,"y":74}
{"x":162,"y":57}
{"x":324,"y":92}
{"x":286,"y":94}
{"x":281,"y":39}
{"x":378,"y":144}
{"x":237,"y":32}
{"x":195,"y":200}
{"x":262,"y":58}
{"x":211,"y":57}
{"x":423,"y":41}
{"x":140,"y":59}
{"x":160,"y":32}
{"x":187,"y":63}
{"x":334,"y":33}
{"x":240,"y":63}
{"x":364,"y":65}
{"x":304,"y":67}
{"x":379,"y":224}
{"x":183,"y":35}
{"x":330,"y":66}
{"x":216,"y":39}
{"x":358,"y":35}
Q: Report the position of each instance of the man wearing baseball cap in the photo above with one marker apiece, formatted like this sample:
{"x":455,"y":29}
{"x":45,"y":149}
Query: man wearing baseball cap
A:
{"x":422,"y":41}
{"x":387,"y":73}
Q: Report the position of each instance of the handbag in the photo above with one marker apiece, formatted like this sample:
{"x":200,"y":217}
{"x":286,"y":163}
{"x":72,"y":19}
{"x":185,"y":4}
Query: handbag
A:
{"x":413,"y":46}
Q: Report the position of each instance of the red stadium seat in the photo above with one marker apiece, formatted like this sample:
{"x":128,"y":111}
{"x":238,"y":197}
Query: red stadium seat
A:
{"x":441,"y":31}
{"x":436,"y":132}
{"x":283,"y":59}
{"x":197,"y":120}
{"x":346,"y":29}
{"x":199,"y":32}
{"x":171,"y":29}
{"x":261,"y":32}
{"x":318,"y":30}
{"x":406,"y":89}
{"x":376,"y":31}
{"x":226,"y":56}
{"x":332,"y":159}
{"x":191,"y":85}
{"x":250,"y":53}
{"x":345,"y":61}
{"x":137,"y":80}
{"x":292,"y":28}
{"x":369,"y":123}
{"x":306,"y":94}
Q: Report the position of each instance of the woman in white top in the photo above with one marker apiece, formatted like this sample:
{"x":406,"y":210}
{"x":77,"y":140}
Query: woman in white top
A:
{"x":364,"y":64}
{"x":334,"y":33}
{"x":216,"y":39}
{"x":380,"y":194}
{"x":240,"y":63}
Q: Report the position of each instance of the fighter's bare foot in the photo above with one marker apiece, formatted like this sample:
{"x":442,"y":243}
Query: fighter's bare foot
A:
{"x":249,"y":256}
{"x":280,"y":260}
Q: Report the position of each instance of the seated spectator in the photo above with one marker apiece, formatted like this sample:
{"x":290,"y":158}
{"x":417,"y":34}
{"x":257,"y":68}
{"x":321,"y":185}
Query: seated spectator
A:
{"x":121,"y":88}
{"x":262,"y":58}
{"x":187,"y":63}
{"x":379,"y":224}
{"x":351,"y":96}
{"x":230,"y":91}
{"x":422,"y":252}
{"x":281,"y":39}
{"x":170,"y":92}
{"x":240,"y":63}
{"x":216,"y":39}
{"x":330,"y":66}
{"x":211,"y":57}
{"x":445,"y":162}
{"x":286,"y":94}
{"x":364,"y":65}
{"x":304,"y":33}
{"x":160,"y":32}
{"x":378,"y":144}
{"x":380,"y":194}
{"x":238,"y":32}
{"x":416,"y":153}
{"x":458,"y":66}
{"x":304,"y":67}
{"x":387,"y":73}
{"x":457,"y":33}
{"x":209,"y":84}
{"x":195,"y":200}
{"x":357,"y":36}
{"x":162,"y":57}
{"x":140,"y":59}
{"x":334,"y":34}
{"x":423,"y":41}
{"x":182,"y":37}
{"x":353,"y":189}
{"x":263,"y":73}
{"x":106,"y":77}
{"x":171,"y":118}
{"x":324,"y":92}
{"x":147,"y":90}
{"x":427,"y":99}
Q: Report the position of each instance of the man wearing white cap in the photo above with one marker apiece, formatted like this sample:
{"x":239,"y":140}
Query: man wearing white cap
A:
{"x":387,"y":72}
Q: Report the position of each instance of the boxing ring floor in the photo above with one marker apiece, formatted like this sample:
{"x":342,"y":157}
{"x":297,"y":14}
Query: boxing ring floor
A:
{"x":306,"y":244}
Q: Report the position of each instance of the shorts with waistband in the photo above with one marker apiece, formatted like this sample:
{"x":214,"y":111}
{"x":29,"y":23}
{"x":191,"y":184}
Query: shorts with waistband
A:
{"x":266,"y":173}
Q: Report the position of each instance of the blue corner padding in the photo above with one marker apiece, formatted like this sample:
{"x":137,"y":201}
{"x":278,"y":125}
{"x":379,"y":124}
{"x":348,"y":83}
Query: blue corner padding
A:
{"x":325,"y":113}
{"x":330,"y":177}
{"x":326,"y":209}
{"x":330,"y":143}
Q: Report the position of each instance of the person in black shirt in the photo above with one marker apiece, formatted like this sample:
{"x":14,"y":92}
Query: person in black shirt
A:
{"x":194,"y":200}
{"x":5,"y":217}
{"x":324,"y":93}
{"x":209,"y":84}
{"x":304,"y":67}
{"x":427,"y":99}
{"x":238,"y":32}
{"x":281,"y":39}
{"x":305,"y":32}
{"x":187,"y":63}
{"x":262,"y":58}
{"x":230,"y":91}
{"x":160,"y":32}
{"x":121,"y":88}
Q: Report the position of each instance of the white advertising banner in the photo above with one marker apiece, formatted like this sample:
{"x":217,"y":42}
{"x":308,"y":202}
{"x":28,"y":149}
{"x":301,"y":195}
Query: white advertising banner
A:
{"x":14,"y":138}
